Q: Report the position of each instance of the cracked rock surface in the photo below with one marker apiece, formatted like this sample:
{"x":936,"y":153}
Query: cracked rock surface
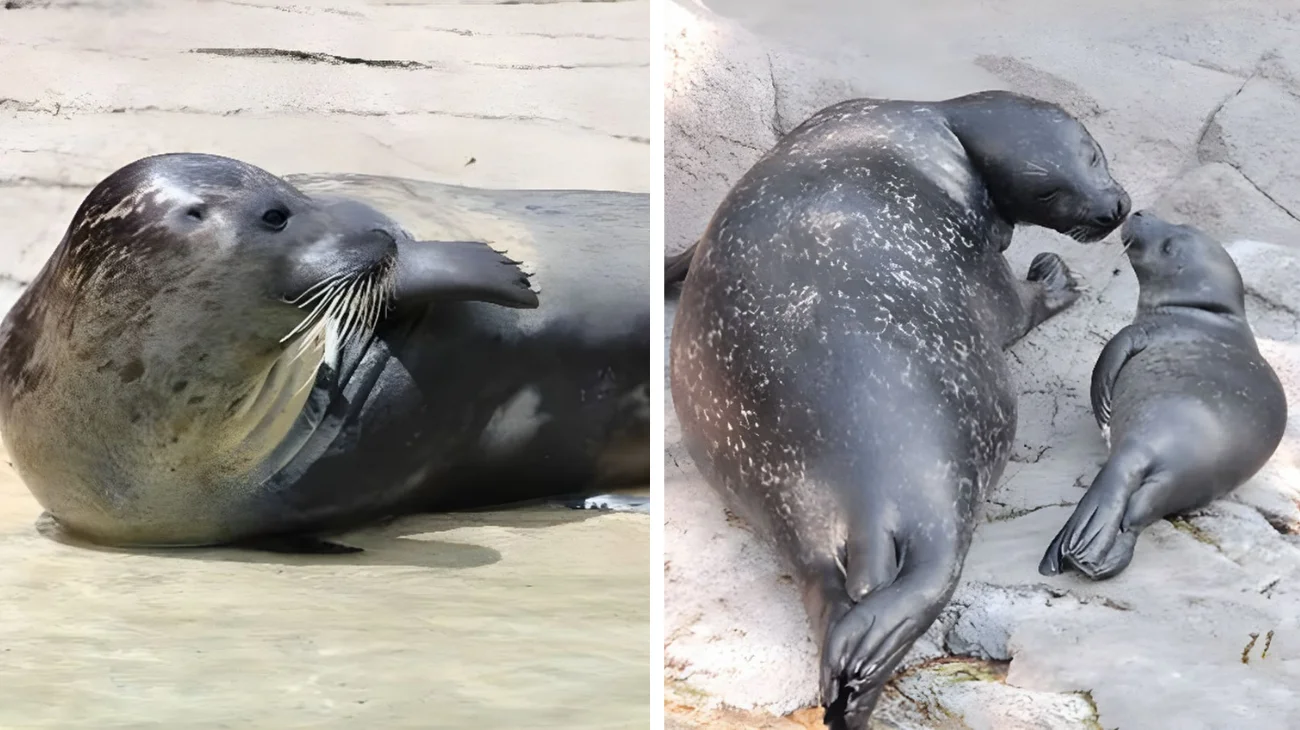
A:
{"x":1194,"y":103}
{"x":451,"y":621}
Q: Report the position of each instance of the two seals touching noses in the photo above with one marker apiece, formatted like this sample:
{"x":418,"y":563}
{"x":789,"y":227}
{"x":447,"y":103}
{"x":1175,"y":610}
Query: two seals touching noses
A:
{"x":1188,"y":405}
{"x":837,"y":355}
{"x":212,"y":356}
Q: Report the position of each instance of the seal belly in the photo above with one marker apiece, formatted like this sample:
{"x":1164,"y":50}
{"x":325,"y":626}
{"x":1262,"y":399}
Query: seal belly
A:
{"x":547,"y":414}
{"x":1190,"y":388}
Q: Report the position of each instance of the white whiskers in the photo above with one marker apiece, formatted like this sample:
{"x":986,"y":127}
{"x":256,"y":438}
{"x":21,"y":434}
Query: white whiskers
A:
{"x":343,"y":307}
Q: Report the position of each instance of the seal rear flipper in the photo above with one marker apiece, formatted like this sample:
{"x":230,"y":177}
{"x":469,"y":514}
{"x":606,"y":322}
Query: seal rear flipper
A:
{"x":871,"y":558}
{"x":1093,"y":530}
{"x":864,"y":647}
{"x":433,"y":271}
{"x":610,"y":503}
{"x":676,"y":267}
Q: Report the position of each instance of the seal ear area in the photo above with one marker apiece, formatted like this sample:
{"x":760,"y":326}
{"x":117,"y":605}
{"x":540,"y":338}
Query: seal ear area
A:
{"x":441,"y":271}
{"x":676,"y":267}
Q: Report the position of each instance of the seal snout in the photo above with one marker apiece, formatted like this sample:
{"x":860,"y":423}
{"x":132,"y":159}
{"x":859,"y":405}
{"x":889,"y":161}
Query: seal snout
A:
{"x":1115,"y":213}
{"x":1140,"y":228}
{"x":365,"y":251}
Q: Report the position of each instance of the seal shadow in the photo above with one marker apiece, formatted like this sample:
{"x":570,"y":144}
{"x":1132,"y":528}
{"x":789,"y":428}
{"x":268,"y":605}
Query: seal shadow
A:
{"x":401,"y":541}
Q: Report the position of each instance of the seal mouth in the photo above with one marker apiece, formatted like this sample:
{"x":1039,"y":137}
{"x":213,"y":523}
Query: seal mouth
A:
{"x":1137,"y":232}
{"x":348,"y":305}
{"x":1089,"y":233}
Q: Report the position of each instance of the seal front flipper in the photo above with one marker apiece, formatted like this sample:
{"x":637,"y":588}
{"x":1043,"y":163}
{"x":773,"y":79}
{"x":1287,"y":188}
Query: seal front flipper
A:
{"x":676,"y":267}
{"x":1128,"y":342}
{"x":432,"y":271}
{"x":1048,"y":289}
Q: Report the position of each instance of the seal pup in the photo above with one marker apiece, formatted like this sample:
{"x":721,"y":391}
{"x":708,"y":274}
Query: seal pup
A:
{"x":213,"y":356}
{"x":1188,"y":406}
{"x":837,"y":353}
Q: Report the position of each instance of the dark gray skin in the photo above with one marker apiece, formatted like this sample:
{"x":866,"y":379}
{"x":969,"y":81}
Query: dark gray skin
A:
{"x":158,"y":388}
{"x":837,"y":355}
{"x":1188,"y":405}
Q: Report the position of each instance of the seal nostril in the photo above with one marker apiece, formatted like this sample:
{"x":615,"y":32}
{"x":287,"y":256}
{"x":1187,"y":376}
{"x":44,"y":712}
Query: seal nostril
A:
{"x":1122,"y":208}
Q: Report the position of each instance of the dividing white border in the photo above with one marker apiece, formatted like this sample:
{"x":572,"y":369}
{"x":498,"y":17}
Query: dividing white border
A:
{"x":657,"y":76}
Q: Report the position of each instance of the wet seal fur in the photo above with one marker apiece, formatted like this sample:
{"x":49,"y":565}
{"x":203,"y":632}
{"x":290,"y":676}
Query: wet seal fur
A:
{"x":837,"y":355}
{"x":213,"y":355}
{"x":1187,"y":404}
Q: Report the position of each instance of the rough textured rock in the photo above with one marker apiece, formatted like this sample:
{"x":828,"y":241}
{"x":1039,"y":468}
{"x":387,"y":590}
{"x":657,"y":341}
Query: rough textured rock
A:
{"x":1191,"y":102}
{"x":723,"y":110}
{"x":1223,"y":202}
{"x":1261,"y":110}
{"x":727,"y":96}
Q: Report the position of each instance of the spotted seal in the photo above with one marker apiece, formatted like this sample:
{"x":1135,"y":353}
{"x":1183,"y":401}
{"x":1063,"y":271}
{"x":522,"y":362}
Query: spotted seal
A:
{"x":214,"y":355}
{"x":837,"y":354}
{"x":1187,"y":404}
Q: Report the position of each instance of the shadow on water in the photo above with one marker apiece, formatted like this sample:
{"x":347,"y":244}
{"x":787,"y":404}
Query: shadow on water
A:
{"x":398,"y":542}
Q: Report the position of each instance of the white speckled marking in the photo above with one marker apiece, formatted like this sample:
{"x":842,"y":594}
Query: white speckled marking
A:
{"x":165,"y":190}
{"x":514,"y":422}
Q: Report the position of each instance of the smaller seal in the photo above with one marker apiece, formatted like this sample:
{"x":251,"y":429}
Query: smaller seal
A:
{"x":1186,"y":403}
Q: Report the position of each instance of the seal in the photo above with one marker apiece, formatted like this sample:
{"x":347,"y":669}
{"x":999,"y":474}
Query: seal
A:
{"x":677,"y":267}
{"x":837,"y":354}
{"x":213,"y":355}
{"x":1188,"y":406}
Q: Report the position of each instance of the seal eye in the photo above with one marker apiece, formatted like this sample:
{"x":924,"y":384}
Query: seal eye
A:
{"x":1048,"y":196}
{"x":275,"y":219}
{"x":195,"y":213}
{"x":1167,"y":247}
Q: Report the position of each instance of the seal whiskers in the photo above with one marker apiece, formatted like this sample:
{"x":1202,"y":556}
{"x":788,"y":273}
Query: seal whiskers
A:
{"x":350,"y":304}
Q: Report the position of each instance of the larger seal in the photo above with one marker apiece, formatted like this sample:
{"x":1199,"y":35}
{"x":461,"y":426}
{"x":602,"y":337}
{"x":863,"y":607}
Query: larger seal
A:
{"x":837,"y":356}
{"x":1189,"y":406}
{"x":214,"y":355}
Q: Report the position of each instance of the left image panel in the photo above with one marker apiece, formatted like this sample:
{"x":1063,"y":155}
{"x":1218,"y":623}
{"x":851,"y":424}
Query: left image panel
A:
{"x":325,"y":364}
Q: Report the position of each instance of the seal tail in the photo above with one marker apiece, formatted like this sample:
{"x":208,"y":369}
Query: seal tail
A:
{"x":676,"y":267}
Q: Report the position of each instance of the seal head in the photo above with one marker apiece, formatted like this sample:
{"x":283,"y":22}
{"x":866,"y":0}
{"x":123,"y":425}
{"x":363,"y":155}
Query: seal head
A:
{"x":159,"y":363}
{"x":1040,"y":164}
{"x":1180,"y":266}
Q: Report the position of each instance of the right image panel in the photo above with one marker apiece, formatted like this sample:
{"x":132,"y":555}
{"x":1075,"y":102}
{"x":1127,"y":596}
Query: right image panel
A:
{"x":981,"y":326}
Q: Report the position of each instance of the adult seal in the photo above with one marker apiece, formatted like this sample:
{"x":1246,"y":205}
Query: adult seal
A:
{"x":214,"y":355}
{"x":1187,"y":404}
{"x":837,"y":356}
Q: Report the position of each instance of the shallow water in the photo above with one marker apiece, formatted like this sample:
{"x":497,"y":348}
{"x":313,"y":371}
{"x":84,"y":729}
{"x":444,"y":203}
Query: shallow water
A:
{"x":534,"y":617}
